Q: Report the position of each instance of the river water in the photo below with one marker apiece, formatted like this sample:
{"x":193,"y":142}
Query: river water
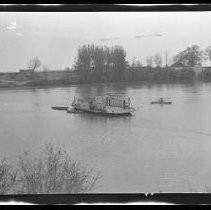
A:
{"x":160,"y":148}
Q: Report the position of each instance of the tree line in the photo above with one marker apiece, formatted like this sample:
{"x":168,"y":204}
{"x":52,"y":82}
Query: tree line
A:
{"x":109,"y":64}
{"x":104,"y":64}
{"x":99,"y":63}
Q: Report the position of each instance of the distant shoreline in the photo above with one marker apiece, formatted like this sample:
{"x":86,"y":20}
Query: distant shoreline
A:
{"x":12,"y":87}
{"x":140,"y":75}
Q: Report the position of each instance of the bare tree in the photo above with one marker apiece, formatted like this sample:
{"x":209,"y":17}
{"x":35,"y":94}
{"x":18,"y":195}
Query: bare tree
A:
{"x":54,"y":171}
{"x":34,"y":63}
{"x":158,"y":60}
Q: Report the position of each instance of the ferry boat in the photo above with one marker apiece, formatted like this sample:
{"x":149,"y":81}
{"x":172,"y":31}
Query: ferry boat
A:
{"x":110,"y":104}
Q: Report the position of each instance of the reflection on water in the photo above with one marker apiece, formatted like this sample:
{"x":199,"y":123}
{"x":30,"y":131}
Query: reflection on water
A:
{"x":159,"y":148}
{"x":97,"y":90}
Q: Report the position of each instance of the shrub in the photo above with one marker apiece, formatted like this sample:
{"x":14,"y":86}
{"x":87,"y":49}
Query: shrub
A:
{"x":7,"y":177}
{"x":54,"y":172}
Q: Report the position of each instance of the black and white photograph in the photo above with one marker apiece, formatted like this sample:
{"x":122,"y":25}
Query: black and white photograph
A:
{"x":105,"y":102}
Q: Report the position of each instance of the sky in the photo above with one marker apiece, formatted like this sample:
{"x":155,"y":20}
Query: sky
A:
{"x":55,"y":36}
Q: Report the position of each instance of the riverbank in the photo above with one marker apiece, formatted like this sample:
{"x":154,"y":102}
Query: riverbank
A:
{"x":61,"y":78}
{"x":26,"y":85}
{"x":33,"y":79}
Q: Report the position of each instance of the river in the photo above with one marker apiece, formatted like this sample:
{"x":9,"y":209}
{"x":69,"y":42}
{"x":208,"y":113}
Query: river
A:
{"x":160,"y":148}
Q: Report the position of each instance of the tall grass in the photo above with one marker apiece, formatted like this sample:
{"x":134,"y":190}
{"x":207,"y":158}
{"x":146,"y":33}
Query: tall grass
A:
{"x":54,"y":171}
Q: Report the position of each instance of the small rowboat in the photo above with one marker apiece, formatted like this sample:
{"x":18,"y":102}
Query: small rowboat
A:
{"x":157,"y":102}
{"x":59,"y":107}
{"x":161,"y":101}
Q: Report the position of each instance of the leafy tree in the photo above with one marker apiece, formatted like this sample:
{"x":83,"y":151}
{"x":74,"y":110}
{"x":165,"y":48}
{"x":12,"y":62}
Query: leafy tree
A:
{"x":207,"y":54}
{"x":108,"y":59}
{"x":119,"y":62}
{"x":98,"y":58}
{"x":94,"y":62}
{"x":191,"y":56}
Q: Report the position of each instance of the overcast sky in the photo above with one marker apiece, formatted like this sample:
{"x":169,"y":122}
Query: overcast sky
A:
{"x":55,"y":37}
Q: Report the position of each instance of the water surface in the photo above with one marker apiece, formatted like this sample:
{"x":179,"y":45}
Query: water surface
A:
{"x":163,"y":148}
